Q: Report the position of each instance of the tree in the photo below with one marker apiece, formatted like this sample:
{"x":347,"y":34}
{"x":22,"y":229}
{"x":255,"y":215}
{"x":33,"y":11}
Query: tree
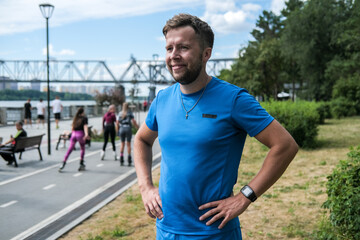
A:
{"x":9,"y":94}
{"x":291,"y":6}
{"x":315,"y":43}
{"x":346,"y":37}
{"x":291,"y":68}
{"x":307,"y":40}
{"x":268,"y":25}
{"x":260,"y":64}
{"x":110,"y":96}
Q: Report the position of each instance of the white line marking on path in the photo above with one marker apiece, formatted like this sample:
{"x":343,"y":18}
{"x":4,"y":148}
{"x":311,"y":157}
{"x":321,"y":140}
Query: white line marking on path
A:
{"x":76,"y":204}
{"x":44,"y":169}
{"x":49,"y":186}
{"x":100,"y":165}
{"x":8,"y":204}
{"x":77,"y":174}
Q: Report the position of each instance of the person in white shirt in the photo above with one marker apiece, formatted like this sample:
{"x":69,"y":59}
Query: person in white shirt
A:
{"x":57,"y":109}
{"x":40,"y":106}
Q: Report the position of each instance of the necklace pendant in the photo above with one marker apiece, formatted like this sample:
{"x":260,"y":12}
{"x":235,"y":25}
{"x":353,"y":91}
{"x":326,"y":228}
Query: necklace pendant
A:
{"x":182,"y":102}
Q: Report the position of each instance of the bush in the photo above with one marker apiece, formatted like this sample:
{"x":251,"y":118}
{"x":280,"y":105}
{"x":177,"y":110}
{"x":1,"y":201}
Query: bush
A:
{"x":342,"y":107}
{"x":348,"y":88}
{"x":301,"y":119}
{"x":343,"y":189}
{"x":346,"y":94}
{"x":324,"y":110}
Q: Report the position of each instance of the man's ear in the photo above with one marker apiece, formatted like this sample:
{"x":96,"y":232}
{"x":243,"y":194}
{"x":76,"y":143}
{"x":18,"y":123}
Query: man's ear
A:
{"x":207,"y":54}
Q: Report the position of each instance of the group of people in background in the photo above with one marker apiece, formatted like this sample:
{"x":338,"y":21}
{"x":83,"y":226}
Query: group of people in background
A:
{"x":40,"y":106}
{"x":111,"y":124}
{"x":57,"y":108}
{"x":121,"y":124}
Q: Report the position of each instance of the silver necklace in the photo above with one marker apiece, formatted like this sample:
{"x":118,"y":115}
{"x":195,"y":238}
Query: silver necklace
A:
{"x":182,"y":102}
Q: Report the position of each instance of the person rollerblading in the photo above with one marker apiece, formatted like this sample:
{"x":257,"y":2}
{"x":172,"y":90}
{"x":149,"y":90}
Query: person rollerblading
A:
{"x":62,"y":166}
{"x":122,"y":160}
{"x":82,"y":166}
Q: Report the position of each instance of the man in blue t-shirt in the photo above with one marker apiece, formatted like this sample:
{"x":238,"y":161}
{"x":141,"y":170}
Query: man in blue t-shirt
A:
{"x":202,"y":123}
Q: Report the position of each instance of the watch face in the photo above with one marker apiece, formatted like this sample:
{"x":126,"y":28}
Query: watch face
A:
{"x":247,"y":191}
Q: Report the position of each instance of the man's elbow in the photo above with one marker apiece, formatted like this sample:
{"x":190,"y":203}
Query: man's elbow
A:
{"x":292,"y":147}
{"x":139,"y":141}
{"x":136,"y":139}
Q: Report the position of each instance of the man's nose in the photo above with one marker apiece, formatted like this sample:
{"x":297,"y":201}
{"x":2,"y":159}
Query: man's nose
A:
{"x":174,"y":54}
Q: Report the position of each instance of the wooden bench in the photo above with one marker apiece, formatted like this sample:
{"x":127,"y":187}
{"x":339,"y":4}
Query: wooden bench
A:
{"x":24,"y":144}
{"x":66,"y":136}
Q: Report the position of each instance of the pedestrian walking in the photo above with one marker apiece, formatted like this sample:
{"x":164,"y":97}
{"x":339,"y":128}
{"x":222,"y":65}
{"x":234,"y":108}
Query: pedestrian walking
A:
{"x":79,"y":134}
{"x":40,"y":106}
{"x":28,"y":108}
{"x":109,"y":129}
{"x":202,"y":123}
{"x":57,"y":109}
{"x":124,"y":122}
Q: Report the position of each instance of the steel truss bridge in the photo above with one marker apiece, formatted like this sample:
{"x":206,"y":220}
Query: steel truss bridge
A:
{"x":152,"y":72}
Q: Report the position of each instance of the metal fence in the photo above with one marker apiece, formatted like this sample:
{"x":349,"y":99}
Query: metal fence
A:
{"x":10,"y":115}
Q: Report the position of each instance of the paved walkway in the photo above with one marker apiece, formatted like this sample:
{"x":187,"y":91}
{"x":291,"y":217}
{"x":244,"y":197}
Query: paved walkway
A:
{"x":30,"y":159}
{"x":62,"y":193}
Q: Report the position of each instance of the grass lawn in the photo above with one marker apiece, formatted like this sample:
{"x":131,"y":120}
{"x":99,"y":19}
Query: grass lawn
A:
{"x":291,"y":209}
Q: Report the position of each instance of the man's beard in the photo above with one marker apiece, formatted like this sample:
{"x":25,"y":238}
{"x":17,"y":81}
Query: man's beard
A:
{"x":189,"y":76}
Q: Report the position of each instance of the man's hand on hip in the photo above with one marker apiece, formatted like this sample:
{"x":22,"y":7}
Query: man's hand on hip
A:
{"x":227,"y":209}
{"x":152,"y":202}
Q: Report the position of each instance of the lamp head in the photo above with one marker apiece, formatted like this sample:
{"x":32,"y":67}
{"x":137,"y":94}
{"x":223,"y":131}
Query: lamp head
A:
{"x":46,"y":10}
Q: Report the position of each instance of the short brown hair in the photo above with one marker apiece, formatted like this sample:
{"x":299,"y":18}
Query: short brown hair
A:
{"x":201,"y":28}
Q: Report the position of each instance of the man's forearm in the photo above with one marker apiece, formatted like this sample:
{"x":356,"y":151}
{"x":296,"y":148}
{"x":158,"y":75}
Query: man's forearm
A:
{"x":275,"y":164}
{"x":143,"y":163}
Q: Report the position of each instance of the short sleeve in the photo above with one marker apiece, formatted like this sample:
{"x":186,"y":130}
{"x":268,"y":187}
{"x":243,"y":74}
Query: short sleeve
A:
{"x":151,"y":121}
{"x":248,"y":114}
{"x":85,"y":121}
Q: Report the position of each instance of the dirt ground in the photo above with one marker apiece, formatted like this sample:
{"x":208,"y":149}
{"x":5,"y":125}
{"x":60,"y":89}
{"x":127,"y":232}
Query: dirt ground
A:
{"x":290,"y":209}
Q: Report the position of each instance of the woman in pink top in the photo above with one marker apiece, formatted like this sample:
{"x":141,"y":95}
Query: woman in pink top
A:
{"x":109,"y":128}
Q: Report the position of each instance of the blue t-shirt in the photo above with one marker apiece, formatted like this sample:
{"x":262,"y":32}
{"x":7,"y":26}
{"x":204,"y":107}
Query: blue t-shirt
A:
{"x":201,"y":154}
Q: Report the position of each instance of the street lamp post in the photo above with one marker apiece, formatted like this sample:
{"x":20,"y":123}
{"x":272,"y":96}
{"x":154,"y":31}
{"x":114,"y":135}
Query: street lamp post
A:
{"x":47,"y":10}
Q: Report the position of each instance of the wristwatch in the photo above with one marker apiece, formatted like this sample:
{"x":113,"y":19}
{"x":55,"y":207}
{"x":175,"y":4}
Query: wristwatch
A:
{"x":249,"y":193}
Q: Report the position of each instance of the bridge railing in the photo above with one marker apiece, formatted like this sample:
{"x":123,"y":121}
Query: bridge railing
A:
{"x":92,"y":71}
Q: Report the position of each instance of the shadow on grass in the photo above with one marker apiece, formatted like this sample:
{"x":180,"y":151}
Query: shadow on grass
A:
{"x":338,"y":133}
{"x":330,"y":143}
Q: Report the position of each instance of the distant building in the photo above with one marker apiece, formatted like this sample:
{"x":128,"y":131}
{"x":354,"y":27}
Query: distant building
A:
{"x":44,"y":88}
{"x":7,"y":83}
{"x":35,"y":84}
